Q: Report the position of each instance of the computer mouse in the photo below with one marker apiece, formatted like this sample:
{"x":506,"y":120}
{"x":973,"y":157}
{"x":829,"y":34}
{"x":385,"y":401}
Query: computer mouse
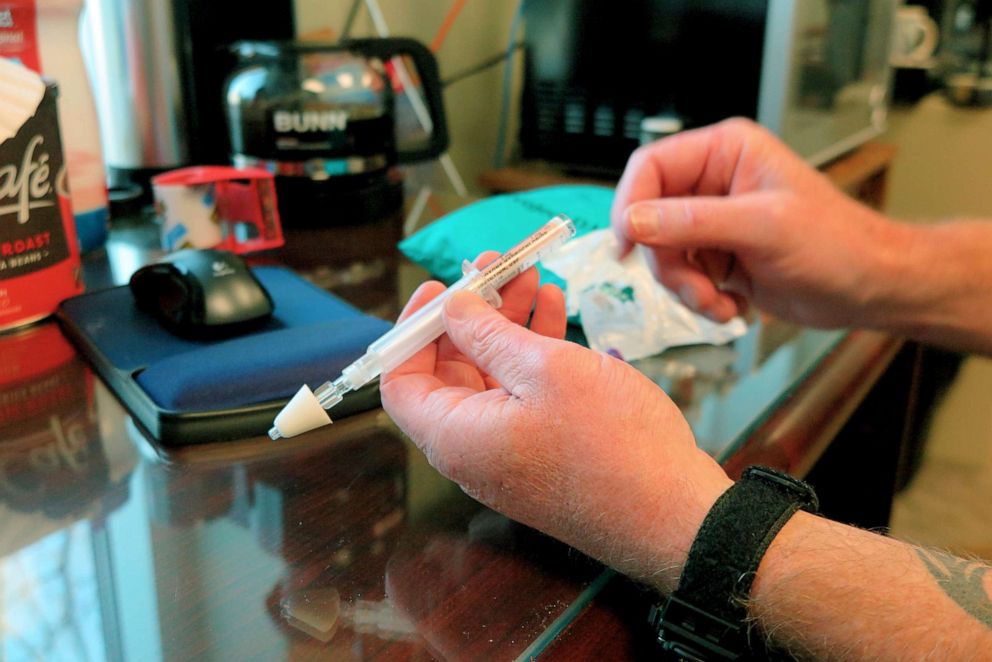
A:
{"x":202,"y":293}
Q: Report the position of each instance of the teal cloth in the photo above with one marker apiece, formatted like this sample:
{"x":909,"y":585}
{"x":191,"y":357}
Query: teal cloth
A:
{"x":500,"y":222}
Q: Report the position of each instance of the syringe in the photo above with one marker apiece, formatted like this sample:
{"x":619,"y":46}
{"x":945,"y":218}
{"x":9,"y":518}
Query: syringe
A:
{"x":306,"y":411}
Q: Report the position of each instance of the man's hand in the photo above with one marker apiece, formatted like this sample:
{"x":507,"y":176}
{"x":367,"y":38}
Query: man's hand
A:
{"x":730,"y":215}
{"x":585,"y":448}
{"x":575,"y":443}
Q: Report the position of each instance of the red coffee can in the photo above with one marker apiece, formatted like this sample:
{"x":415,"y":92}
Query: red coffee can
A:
{"x":39,"y":254}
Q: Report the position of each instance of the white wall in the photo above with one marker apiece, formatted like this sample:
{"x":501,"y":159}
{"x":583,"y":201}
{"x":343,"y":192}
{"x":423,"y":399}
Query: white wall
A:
{"x":944,"y":164}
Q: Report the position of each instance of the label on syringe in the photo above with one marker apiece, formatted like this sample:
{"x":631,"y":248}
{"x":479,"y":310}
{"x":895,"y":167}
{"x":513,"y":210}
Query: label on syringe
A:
{"x":527,"y":253}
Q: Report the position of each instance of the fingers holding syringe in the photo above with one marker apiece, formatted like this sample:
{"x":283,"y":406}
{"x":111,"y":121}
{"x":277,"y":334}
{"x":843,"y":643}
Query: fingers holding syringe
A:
{"x":442,"y":358}
{"x":518,"y":301}
{"x":517,"y":295}
{"x":549,"y":318}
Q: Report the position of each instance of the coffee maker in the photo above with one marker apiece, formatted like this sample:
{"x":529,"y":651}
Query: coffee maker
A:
{"x":332,"y":120}
{"x":158,"y":69}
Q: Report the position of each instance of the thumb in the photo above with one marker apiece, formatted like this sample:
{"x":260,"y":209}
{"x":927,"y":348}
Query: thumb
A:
{"x":726,"y":223}
{"x":499,"y":347}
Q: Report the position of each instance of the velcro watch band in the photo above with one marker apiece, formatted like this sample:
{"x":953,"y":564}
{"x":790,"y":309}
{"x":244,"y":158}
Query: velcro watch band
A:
{"x":705,"y":618}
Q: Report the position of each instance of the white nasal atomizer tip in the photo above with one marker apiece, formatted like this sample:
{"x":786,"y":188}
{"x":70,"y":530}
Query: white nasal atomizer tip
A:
{"x":302,"y":414}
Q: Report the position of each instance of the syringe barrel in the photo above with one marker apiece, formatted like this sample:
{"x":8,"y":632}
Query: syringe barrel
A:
{"x":528,"y":252}
{"x":415,"y":332}
{"x":426,"y":325}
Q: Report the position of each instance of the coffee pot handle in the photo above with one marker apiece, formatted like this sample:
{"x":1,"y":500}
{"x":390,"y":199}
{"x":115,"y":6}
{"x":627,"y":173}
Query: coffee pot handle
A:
{"x":430,"y":113}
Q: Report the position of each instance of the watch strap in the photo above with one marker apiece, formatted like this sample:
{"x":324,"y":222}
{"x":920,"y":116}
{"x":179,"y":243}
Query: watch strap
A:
{"x":705,"y":617}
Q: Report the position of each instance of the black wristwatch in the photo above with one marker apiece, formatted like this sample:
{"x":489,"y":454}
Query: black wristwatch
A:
{"x":705,"y":618}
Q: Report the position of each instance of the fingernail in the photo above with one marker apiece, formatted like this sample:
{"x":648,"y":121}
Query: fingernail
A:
{"x":644,"y":220}
{"x":465,"y":305}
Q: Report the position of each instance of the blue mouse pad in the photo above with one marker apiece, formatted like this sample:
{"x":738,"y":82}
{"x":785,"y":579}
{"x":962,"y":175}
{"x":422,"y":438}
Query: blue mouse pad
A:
{"x":186,"y":391}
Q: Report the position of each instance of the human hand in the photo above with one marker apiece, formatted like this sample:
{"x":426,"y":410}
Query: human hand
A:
{"x":572,"y":442}
{"x":729,"y":215}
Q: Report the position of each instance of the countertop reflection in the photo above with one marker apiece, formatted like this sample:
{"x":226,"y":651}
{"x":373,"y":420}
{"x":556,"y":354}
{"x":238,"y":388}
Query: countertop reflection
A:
{"x":345,"y":544}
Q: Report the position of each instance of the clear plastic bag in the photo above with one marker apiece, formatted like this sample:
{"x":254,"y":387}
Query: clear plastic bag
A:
{"x":622,"y":308}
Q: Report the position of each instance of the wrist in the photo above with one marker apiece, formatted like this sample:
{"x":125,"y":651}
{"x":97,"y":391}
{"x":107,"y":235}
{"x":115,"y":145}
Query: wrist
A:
{"x":707,"y":613}
{"x":889,"y":250}
{"x":929,"y":283}
{"x":900,"y":293}
{"x":687,"y":503}
{"x":689,"y":525}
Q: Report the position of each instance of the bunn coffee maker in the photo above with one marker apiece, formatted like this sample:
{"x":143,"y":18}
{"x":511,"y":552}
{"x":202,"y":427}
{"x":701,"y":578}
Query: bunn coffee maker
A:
{"x":323,"y":119}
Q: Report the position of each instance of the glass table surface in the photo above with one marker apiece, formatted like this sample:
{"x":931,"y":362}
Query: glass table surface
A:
{"x":342,"y":544}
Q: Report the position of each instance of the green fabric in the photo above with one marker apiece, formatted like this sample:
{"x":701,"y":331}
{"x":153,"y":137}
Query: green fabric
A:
{"x":499,"y":222}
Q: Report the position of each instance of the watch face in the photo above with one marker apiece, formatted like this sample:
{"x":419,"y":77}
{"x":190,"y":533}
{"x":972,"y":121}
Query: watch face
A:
{"x":694,"y":634}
